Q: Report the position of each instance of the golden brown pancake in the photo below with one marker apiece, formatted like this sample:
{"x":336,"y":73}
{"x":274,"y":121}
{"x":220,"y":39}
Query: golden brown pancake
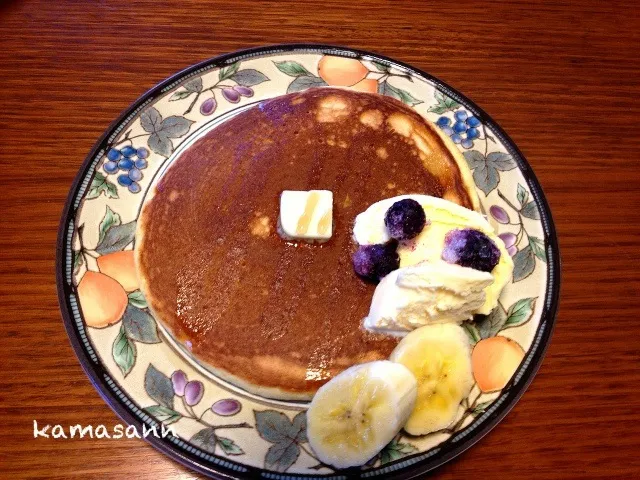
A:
{"x":281,"y":318}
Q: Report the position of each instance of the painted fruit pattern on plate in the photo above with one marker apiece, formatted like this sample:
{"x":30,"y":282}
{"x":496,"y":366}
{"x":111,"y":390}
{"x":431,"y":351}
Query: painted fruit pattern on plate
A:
{"x":200,"y":410}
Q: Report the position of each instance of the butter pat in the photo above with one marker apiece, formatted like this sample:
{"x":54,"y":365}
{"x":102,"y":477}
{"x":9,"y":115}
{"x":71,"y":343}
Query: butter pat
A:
{"x":306,"y":215}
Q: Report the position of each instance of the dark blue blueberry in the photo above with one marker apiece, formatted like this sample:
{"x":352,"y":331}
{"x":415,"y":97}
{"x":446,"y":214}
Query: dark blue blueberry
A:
{"x":143,"y":152}
{"x":459,"y":127}
{"x":124,"y":180}
{"x":456,"y":138}
{"x":373,"y":262}
{"x":473,"y":122}
{"x":443,"y":122}
{"x":134,"y":187}
{"x":473,"y":133}
{"x":113,"y":154}
{"x":466,"y":143}
{"x":405,"y":219}
{"x":461,"y":115}
{"x":447,"y":130}
{"x":141,"y":163}
{"x":470,"y":248}
{"x":128,"y":151}
{"x":110,"y":167}
{"x":135,"y":174}
{"x":125,"y":164}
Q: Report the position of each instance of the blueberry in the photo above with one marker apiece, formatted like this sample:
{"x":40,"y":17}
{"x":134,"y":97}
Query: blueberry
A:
{"x":134,"y":187}
{"x":459,"y":127}
{"x":142,"y":152}
{"x":128,"y":151}
{"x":405,"y":219}
{"x":447,"y":130}
{"x":473,"y":133}
{"x":461,"y":115}
{"x":456,"y":138}
{"x":124,"y":180}
{"x":125,"y":164}
{"x":443,"y":122}
{"x":110,"y":167}
{"x":473,"y":122}
{"x":373,"y":262}
{"x":466,"y":143}
{"x":141,"y":163}
{"x":135,"y":174}
{"x":113,"y":154}
{"x":470,"y":248}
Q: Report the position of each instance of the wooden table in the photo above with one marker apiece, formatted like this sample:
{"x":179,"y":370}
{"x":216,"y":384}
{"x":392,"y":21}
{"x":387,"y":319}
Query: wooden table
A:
{"x":562,"y":78}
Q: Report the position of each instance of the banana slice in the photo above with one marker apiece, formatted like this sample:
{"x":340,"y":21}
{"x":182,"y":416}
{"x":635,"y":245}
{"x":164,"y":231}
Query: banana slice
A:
{"x":440,"y":358}
{"x":358,"y":412}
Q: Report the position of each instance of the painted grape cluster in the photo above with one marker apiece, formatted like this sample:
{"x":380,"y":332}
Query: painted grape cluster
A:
{"x":463,"y":130}
{"x":130,"y":161}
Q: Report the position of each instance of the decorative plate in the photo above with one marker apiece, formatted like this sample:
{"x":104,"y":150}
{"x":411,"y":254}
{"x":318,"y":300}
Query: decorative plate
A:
{"x":218,"y":429}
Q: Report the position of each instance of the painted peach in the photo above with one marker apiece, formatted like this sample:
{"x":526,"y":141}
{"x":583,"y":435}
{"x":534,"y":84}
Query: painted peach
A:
{"x":341,"y":72}
{"x":368,"y":85}
{"x":494,"y":362}
{"x":102,"y":299}
{"x":121,"y":267}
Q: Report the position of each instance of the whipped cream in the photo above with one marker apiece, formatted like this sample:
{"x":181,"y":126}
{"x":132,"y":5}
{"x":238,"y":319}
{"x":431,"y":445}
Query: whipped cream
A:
{"x":442,"y":216}
{"x":426,"y":293}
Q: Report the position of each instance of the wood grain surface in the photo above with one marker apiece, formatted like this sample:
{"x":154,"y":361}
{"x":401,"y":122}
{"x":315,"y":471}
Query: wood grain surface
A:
{"x":563,"y":79}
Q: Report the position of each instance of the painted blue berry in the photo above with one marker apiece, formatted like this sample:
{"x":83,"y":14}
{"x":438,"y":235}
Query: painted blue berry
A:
{"x":456,"y":138}
{"x":128,"y":151}
{"x":135,"y":174}
{"x":459,"y":127}
{"x":141,"y":163}
{"x":110,"y":167}
{"x":447,"y":131}
{"x":473,"y":133}
{"x":124,"y":180}
{"x":466,"y":143}
{"x":134,"y":187}
{"x":473,"y":122}
{"x":444,"y":122}
{"x":143,"y":152}
{"x":461,"y":115}
{"x":113,"y":155}
{"x":125,"y":164}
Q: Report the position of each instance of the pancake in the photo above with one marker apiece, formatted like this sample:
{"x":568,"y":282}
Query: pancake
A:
{"x":276,"y":317}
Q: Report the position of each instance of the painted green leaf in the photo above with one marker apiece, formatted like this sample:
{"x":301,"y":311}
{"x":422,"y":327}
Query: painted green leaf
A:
{"x":123,"y":352}
{"x":116,"y":238}
{"x":160,"y":144}
{"x":537,"y":246}
{"x":522,"y":195}
{"x":490,"y":325}
{"x":302,"y":83}
{"x":180,"y":95}
{"x":78,"y":261}
{"x":175,"y":126}
{"x":163,"y":414}
{"x":444,"y":104}
{"x":472,"y":332}
{"x":481,"y":407}
{"x":99,"y":185}
{"x":136,"y":298}
{"x":380,"y":66}
{"x":395,"y":450}
{"x":520,"y":312}
{"x":194,"y":85}
{"x":109,"y":220}
{"x":227,"y":72}
{"x":205,"y":439}
{"x":291,"y":68}
{"x":523,"y":264}
{"x":229,"y":446}
{"x":385,"y":88}
{"x":501,"y":161}
{"x":281,"y":456}
{"x":158,"y":386}
{"x":249,"y":77}
{"x":486,"y":169}
{"x":530,"y":210}
{"x":474,"y":159}
{"x":276,"y":427}
{"x":139,"y":325}
{"x":150,"y":120}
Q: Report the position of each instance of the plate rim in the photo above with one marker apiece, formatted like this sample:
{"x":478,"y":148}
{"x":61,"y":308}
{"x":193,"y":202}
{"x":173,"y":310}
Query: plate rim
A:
{"x":95,"y":371}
